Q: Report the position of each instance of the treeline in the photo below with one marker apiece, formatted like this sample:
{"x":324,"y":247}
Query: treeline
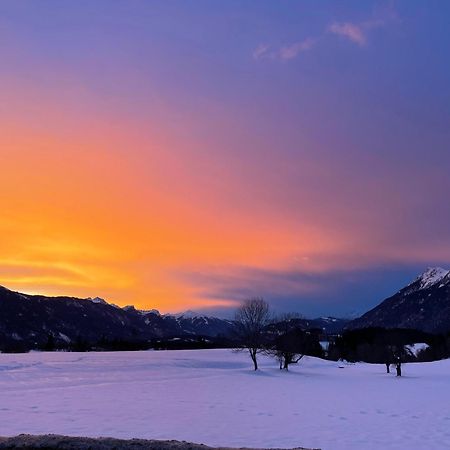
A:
{"x":257,"y":333}
{"x":81,"y":344}
{"x":381,"y":345}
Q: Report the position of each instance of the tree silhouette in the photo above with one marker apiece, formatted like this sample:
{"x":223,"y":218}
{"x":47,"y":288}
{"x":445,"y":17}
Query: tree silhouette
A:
{"x":251,"y":318}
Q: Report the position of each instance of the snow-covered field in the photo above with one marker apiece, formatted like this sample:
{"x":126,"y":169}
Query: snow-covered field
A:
{"x":213,"y":397}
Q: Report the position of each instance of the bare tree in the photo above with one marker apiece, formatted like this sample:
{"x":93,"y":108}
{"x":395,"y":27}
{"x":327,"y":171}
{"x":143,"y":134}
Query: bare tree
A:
{"x":281,"y":347}
{"x":251,"y":318}
{"x":291,"y":343}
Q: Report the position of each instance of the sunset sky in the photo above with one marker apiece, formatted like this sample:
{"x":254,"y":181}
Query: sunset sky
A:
{"x":190,"y":154}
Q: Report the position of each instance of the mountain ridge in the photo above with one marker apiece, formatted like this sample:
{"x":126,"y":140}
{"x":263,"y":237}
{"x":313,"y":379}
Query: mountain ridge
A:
{"x":34,"y":320}
{"x":423,"y":304}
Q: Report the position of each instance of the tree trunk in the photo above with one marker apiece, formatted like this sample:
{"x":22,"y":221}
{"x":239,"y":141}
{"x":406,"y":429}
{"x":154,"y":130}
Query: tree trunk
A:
{"x":253,"y":356}
{"x":388,"y":370}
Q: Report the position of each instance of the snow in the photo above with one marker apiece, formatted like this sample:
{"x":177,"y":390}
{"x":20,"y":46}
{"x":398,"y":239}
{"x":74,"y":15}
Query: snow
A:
{"x":432,"y":276}
{"x":213,"y":397}
{"x":64,"y":337}
{"x":97,"y":300}
{"x":415,"y":349}
{"x":189,"y":314}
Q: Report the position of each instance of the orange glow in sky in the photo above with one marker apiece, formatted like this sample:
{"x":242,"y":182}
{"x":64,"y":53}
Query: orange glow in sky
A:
{"x":150,"y":158}
{"x":107,"y":208}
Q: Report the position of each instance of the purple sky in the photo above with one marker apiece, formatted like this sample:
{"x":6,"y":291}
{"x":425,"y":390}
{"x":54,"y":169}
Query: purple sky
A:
{"x":296,"y":150}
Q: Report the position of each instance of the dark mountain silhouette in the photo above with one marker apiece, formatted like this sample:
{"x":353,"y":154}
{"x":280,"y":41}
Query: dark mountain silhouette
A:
{"x":36,"y":321}
{"x":423,"y":305}
{"x":32,"y":320}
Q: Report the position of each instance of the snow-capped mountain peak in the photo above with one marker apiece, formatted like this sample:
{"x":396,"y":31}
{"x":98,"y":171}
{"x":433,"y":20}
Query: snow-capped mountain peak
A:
{"x":189,"y":314}
{"x":432,"y":276}
{"x":422,"y":305}
{"x":97,"y":300}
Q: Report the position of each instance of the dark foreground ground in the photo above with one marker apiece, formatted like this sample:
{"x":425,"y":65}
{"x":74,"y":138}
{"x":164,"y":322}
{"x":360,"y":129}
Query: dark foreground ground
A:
{"x":55,"y":442}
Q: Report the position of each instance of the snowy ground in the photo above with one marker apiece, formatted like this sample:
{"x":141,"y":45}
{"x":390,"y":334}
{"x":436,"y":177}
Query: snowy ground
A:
{"x":212,"y":397}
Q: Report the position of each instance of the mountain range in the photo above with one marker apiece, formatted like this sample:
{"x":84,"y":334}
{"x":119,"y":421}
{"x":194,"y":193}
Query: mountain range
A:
{"x":32,"y":320}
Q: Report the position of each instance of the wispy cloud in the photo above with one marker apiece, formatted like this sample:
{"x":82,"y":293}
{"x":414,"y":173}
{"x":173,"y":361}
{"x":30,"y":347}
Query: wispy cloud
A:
{"x":284,"y":53}
{"x":356,"y":32}
{"x":351,"y":31}
{"x":293,"y":50}
{"x":261,"y":52}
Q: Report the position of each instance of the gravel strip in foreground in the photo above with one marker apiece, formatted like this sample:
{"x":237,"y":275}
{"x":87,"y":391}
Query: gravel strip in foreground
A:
{"x":56,"y":442}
